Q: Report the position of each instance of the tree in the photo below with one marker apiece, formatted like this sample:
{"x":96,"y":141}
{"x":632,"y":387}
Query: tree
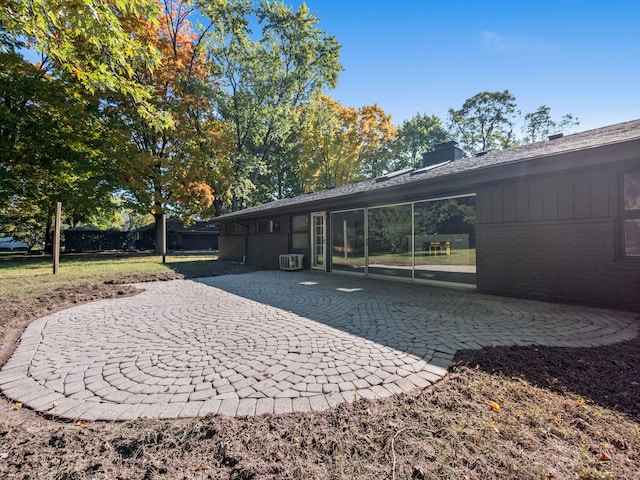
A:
{"x":265,"y":78}
{"x":539,"y":124}
{"x":177,"y":166}
{"x":485,"y":122}
{"x":53,"y":147}
{"x":417,"y":136}
{"x":86,"y":39}
{"x":325,"y":160}
{"x":374,"y":141}
{"x":339,"y":145}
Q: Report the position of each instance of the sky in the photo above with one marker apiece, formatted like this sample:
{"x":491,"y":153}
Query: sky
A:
{"x":578,"y":57}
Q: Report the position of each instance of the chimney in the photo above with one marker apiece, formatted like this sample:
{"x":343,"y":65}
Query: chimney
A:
{"x":444,"y":152}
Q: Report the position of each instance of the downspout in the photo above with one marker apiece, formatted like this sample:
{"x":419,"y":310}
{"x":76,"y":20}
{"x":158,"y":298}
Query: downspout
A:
{"x":246,"y":241}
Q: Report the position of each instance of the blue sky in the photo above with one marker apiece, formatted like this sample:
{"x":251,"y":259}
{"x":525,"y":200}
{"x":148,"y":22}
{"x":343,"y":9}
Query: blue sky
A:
{"x":578,"y":57}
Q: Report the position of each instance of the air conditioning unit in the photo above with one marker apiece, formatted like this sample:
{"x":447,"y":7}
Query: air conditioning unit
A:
{"x":291,"y":261}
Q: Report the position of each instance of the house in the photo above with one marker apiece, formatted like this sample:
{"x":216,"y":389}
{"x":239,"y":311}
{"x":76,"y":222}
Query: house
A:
{"x":197,"y":236}
{"x":555,"y":220}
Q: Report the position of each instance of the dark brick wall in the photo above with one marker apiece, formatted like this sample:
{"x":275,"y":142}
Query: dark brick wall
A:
{"x":555,"y":239}
{"x":264,"y":250}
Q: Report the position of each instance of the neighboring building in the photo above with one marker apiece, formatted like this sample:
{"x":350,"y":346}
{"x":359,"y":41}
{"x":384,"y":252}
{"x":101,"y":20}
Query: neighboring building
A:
{"x":554,"y":220}
{"x":197,"y":236}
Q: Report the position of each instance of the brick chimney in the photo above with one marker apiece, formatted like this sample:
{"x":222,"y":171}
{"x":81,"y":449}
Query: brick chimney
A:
{"x":444,"y":152}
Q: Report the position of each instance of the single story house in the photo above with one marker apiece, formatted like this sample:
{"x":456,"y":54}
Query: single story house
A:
{"x":199,"y":235}
{"x":554,"y":220}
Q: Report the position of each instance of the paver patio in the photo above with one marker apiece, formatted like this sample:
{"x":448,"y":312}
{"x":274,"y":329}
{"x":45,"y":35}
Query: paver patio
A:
{"x":272,"y":342}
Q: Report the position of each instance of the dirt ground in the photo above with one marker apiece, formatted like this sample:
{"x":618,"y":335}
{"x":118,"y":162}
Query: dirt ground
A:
{"x":508,"y":413}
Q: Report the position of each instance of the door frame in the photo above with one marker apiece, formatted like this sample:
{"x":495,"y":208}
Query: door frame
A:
{"x":314,"y":243}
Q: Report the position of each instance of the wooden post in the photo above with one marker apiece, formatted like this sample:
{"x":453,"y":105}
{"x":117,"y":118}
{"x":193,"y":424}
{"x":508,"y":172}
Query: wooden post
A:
{"x":56,"y":239}
{"x":164,"y":238}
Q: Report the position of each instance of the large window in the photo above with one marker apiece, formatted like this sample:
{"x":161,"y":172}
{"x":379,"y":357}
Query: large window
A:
{"x":445,"y":239}
{"x":631,"y":215}
{"x":347,"y":241}
{"x":390,"y":244}
{"x":429,"y":240}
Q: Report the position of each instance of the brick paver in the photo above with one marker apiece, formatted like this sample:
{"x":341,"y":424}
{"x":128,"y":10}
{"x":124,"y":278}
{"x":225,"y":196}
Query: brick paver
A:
{"x":272,"y":342}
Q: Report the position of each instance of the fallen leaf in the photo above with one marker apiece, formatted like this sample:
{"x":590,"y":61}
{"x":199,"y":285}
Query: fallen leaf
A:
{"x":267,"y":374}
{"x":81,"y":423}
{"x":494,"y":406}
{"x":519,"y":413}
{"x":199,"y":467}
{"x":558,"y":421}
{"x":53,"y":405}
{"x":605,"y":458}
{"x":168,"y":389}
{"x":16,"y":406}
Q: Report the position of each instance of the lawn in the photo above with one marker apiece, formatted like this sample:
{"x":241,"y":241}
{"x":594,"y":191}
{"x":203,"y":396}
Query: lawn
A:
{"x":509,"y":413}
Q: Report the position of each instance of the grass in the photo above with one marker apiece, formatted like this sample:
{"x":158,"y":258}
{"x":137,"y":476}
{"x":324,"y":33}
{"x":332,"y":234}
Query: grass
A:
{"x":24,"y":276}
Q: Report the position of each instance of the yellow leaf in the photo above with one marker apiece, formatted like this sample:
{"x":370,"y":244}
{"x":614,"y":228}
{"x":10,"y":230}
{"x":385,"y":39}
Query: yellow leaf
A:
{"x":494,"y":406}
{"x":16,"y":406}
{"x":81,"y":423}
{"x":558,"y":421}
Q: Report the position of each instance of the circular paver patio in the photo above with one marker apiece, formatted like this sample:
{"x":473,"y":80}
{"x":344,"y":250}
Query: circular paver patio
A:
{"x":272,"y":342}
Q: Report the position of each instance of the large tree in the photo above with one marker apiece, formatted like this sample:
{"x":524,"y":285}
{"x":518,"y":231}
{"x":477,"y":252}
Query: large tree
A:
{"x":340,"y":145}
{"x":485,"y":122}
{"x":175,"y":166}
{"x":539,"y":124}
{"x":54,"y":146}
{"x":417,"y":136}
{"x":265,"y":77}
{"x":86,"y":39}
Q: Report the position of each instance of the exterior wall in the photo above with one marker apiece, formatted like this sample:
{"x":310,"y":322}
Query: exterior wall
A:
{"x":261,"y":249}
{"x":264,"y":250}
{"x":199,"y":241}
{"x":555,"y":238}
{"x":232,"y":247}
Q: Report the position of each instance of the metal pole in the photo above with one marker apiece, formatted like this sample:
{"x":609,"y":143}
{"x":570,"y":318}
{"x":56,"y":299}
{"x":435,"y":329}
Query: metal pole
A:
{"x":164,"y":238}
{"x":56,"y":239}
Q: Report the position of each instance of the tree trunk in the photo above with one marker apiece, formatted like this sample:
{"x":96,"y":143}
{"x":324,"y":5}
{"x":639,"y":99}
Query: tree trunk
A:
{"x":48,"y":236}
{"x":160,"y":233}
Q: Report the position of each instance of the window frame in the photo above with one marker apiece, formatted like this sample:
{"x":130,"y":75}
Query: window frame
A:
{"x":272,"y":226}
{"x":626,"y":215}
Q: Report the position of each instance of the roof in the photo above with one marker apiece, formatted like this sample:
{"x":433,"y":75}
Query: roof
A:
{"x":610,"y":135}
